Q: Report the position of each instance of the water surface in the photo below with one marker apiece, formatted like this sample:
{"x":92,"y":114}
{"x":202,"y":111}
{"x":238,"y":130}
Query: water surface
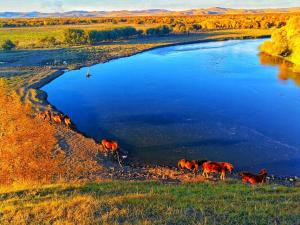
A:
{"x":202,"y":101}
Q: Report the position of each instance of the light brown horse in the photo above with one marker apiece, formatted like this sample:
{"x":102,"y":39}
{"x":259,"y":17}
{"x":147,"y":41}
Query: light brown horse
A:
{"x":254,"y":178}
{"x":67,"y":121}
{"x":110,"y":145}
{"x":191,"y":165}
{"x":45,"y":115}
{"x":216,"y":167}
{"x":57,"y":118}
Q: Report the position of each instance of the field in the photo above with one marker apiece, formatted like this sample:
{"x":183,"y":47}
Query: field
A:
{"x":29,"y":37}
{"x":150,"y":203}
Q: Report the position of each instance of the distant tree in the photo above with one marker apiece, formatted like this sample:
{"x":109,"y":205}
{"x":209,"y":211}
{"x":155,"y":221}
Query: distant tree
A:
{"x":8,"y":45}
{"x":158,"y":31}
{"x":278,"y":45}
{"x":95,"y":36}
{"x":285,"y":41}
{"x":49,"y":41}
{"x":180,"y":28}
{"x":75,"y":36}
{"x":196,"y":27}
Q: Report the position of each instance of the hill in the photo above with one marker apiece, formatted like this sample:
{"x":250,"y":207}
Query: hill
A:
{"x":150,"y":12}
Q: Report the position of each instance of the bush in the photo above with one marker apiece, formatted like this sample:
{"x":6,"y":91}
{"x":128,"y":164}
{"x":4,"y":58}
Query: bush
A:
{"x":158,"y":31}
{"x":75,"y":36}
{"x":50,"y":41}
{"x":8,"y":45}
{"x":95,"y":36}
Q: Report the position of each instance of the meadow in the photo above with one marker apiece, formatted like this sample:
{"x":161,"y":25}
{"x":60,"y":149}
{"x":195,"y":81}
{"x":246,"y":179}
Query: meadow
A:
{"x":150,"y":203}
{"x":30,"y":37}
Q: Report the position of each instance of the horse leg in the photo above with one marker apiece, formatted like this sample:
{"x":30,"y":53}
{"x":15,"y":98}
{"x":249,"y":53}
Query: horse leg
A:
{"x":223,"y":175}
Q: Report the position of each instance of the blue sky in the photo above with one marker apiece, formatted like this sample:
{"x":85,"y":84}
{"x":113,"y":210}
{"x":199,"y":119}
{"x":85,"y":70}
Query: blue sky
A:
{"x":97,"y":5}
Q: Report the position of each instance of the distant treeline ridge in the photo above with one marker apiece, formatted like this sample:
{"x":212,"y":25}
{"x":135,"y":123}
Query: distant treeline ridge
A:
{"x":265,"y":20}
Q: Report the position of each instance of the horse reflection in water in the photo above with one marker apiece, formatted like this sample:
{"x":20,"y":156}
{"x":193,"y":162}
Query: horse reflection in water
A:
{"x":285,"y":68}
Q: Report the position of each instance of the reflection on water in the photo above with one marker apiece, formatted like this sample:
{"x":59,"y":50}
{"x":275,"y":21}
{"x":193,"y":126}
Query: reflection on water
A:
{"x":202,"y":101}
{"x":285,"y":68}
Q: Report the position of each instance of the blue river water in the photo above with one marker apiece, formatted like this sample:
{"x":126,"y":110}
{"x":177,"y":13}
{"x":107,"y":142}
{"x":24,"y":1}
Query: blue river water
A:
{"x":214,"y":101}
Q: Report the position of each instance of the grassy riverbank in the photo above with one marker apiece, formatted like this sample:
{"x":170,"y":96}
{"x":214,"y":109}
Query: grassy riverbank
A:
{"x":150,"y":203}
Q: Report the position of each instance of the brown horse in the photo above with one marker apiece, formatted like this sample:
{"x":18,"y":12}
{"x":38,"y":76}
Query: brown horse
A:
{"x":57,"y":118}
{"x":45,"y":115}
{"x":216,"y":167}
{"x":112,"y":146}
{"x":67,"y":121}
{"x":192,"y":165}
{"x":42,"y":115}
{"x":254,"y":178}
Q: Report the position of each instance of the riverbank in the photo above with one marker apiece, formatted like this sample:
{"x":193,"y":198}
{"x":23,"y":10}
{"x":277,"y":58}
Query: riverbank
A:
{"x":28,"y":70}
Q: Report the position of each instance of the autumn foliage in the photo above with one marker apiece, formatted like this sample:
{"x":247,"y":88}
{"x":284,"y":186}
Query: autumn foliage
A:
{"x":233,"y":21}
{"x":285,"y":42}
{"x":26,"y":143}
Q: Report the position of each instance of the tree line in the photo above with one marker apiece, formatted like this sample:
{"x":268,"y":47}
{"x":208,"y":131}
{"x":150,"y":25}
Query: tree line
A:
{"x":264,"y":20}
{"x":80,"y":36}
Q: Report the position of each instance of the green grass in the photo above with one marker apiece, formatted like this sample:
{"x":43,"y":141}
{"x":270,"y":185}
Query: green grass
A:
{"x":152,"y":203}
{"x":29,"y":36}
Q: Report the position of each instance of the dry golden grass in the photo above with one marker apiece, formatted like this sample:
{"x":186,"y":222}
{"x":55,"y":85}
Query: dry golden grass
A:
{"x":26,"y":143}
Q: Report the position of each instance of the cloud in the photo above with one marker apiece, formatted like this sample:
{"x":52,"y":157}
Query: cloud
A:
{"x":52,"y":5}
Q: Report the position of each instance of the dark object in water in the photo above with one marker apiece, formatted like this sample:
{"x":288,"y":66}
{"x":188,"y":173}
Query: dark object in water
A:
{"x":88,"y":74}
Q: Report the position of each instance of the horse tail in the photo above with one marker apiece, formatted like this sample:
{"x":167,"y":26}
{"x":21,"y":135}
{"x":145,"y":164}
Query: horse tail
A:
{"x":179,"y":165}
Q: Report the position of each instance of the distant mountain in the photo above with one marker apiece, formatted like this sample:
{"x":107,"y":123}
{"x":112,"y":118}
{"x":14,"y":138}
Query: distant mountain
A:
{"x":150,"y":12}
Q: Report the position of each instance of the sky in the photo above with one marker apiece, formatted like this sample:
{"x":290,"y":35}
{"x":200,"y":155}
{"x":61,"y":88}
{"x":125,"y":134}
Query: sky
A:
{"x":108,"y":5}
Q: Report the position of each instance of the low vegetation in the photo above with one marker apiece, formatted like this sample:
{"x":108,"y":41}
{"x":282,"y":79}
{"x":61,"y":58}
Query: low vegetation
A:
{"x":158,"y":31}
{"x":285,"y":42}
{"x":8,"y":45}
{"x":150,"y":203}
{"x":25,"y":153}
